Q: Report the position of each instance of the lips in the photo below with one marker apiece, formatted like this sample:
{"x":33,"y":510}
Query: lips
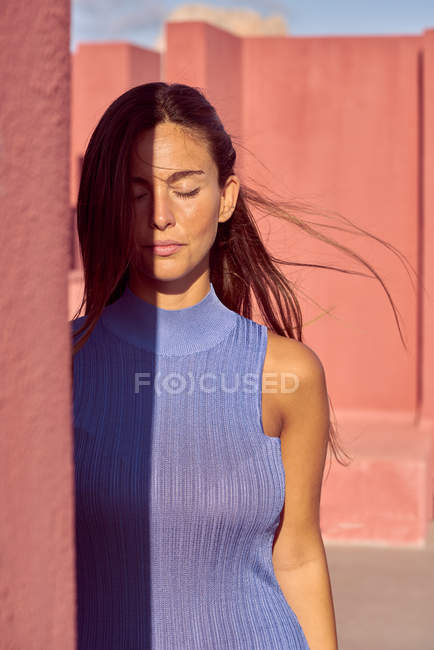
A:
{"x":165,"y":249}
{"x":169,"y":242}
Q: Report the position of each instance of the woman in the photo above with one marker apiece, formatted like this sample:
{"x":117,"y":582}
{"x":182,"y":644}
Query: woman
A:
{"x":200,"y":434}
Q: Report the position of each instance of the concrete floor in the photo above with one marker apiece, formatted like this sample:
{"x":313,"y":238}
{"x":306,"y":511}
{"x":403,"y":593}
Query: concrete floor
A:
{"x":384,"y":597}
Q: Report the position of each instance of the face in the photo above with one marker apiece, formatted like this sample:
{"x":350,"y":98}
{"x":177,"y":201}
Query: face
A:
{"x":170,"y":204}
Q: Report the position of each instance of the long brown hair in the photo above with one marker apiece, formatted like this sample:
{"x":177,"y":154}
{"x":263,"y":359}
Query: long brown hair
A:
{"x":240,"y":266}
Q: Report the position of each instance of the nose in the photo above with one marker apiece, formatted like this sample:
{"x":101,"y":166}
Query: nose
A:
{"x":161,"y":213}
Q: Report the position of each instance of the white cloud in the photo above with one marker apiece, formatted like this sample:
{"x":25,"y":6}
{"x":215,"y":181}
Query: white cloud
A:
{"x":238,"y":20}
{"x":142,"y":21}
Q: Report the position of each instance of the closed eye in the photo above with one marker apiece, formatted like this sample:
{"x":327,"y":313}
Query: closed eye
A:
{"x":184,"y":195}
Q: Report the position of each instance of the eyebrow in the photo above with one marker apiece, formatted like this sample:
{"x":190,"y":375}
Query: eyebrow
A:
{"x":173,"y":177}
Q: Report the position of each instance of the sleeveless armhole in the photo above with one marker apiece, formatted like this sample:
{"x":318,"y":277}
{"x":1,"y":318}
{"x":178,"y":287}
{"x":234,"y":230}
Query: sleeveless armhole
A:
{"x":263,"y":341}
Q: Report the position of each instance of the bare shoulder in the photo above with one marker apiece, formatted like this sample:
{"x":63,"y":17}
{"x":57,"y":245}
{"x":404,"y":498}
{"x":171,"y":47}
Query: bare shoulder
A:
{"x":295,"y":370}
{"x":292,"y":351}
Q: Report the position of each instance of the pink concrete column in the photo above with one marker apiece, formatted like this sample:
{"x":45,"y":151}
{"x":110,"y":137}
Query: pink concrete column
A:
{"x":426,"y":346}
{"x":100,"y":73}
{"x":209,"y":58}
{"x":37,"y":580}
{"x":427,"y":204}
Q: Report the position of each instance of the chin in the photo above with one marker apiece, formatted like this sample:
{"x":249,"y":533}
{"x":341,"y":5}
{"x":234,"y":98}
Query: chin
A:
{"x":160,"y":276}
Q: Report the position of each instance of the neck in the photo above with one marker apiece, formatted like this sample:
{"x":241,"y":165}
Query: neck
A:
{"x":184,"y":295}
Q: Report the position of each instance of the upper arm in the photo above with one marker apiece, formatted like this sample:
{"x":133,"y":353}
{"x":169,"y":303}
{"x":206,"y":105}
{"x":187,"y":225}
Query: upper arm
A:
{"x":304,"y":435}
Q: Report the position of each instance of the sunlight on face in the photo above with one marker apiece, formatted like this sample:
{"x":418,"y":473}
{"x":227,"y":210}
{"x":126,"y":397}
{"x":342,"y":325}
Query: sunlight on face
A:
{"x":170,"y":204}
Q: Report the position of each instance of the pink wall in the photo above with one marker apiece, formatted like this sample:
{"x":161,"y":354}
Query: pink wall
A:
{"x":427,"y":231}
{"x":209,"y":58}
{"x":339,"y":121}
{"x":346,"y":123}
{"x":335,"y":121}
{"x":100,"y":73}
{"x":37,"y":581}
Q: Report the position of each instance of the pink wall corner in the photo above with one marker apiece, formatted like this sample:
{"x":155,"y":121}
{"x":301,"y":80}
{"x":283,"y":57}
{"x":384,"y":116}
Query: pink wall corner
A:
{"x":202,"y":55}
{"x":144,"y":65}
{"x":100,"y":73}
{"x":37,"y":577}
{"x":185,"y":59}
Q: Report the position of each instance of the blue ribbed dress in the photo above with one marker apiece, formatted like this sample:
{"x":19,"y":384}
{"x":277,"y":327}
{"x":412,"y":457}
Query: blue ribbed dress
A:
{"x":178,"y":490}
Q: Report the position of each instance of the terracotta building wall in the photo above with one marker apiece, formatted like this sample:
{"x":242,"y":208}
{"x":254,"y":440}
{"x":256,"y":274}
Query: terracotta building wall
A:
{"x":333,"y":121}
{"x":100,"y":73}
{"x":343,"y":123}
{"x":37,"y":588}
{"x":426,"y":190}
{"x":338,"y":121}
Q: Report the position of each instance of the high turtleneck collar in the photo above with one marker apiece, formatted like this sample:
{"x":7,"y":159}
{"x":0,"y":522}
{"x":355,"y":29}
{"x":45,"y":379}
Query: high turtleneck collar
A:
{"x":169,"y":331}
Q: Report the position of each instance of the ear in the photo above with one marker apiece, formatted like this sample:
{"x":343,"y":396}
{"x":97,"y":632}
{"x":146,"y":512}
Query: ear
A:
{"x":229,"y":197}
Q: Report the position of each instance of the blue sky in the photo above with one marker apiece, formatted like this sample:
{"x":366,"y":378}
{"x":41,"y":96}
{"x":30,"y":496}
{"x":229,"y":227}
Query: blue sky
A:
{"x":141,"y":21}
